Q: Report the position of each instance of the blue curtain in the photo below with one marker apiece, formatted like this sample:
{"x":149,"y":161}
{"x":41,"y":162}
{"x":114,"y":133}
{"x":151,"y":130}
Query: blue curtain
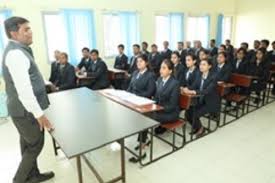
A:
{"x":176,"y":21}
{"x":219,"y":33}
{"x":78,"y":22}
{"x":208,"y":19}
{"x":129,"y":30}
{"x":6,"y":14}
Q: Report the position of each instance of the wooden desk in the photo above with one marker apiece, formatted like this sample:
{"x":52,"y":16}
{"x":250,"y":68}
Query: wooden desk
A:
{"x":224,"y":88}
{"x":141,"y":109}
{"x":85,"y":121}
{"x":114,"y":74}
{"x":83,"y":80}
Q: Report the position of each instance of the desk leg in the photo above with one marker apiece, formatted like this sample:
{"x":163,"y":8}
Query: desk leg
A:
{"x":122,"y":150}
{"x":79,"y":169}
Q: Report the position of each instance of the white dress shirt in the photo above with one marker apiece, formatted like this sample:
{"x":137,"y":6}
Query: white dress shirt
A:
{"x":18,"y":64}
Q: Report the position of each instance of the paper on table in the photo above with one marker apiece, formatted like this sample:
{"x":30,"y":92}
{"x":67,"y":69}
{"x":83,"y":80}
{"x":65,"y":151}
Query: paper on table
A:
{"x":129,"y":97}
{"x":47,"y":82}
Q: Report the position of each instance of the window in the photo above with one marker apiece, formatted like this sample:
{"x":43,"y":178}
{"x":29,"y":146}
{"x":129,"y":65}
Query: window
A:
{"x":112,"y":34}
{"x":120,"y":28}
{"x":226,"y":28}
{"x":69,"y":31}
{"x":162,"y":29}
{"x":169,"y":28}
{"x":198,"y":29}
{"x":55,"y":34}
{"x":4,"y":14}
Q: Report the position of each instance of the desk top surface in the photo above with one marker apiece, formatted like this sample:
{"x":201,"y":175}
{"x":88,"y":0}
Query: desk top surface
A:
{"x":84,"y":121}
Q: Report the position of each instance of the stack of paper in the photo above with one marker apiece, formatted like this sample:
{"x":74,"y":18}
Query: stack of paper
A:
{"x":129,"y":97}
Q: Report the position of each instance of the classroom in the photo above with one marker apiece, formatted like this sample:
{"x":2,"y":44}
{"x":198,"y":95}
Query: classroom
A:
{"x":170,"y":91}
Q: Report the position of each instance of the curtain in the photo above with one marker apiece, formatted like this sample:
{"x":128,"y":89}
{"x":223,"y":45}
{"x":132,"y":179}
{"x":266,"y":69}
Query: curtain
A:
{"x":176,"y":21}
{"x":219,"y":33}
{"x":80,"y":27}
{"x":4,"y":14}
{"x":208,"y":30}
{"x":129,"y":30}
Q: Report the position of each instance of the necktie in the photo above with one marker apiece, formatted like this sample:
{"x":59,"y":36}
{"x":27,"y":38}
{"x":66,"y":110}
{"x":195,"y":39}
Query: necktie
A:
{"x":138,"y":75}
{"x":93,"y":66}
{"x":201,"y":88}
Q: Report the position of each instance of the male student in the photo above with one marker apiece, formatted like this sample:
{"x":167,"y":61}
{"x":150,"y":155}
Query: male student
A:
{"x":265,"y":44}
{"x":188,"y":49}
{"x":229,"y":47}
{"x":198,"y":48}
{"x":182,"y":52}
{"x":133,"y":61}
{"x":54,"y":66}
{"x":271,"y":55}
{"x":213,"y":49}
{"x":65,"y":76}
{"x":155,"y":59}
{"x":166,"y":52}
{"x":85,"y":61}
{"x":121,"y":60}
{"x":144,"y":50}
{"x":98,"y":71}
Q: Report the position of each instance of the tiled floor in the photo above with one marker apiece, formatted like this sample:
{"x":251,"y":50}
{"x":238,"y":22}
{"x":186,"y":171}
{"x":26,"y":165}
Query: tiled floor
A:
{"x":242,"y":152}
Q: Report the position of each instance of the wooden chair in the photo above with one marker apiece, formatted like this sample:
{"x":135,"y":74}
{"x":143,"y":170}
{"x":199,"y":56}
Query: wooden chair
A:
{"x":270,"y":82}
{"x":238,"y":80}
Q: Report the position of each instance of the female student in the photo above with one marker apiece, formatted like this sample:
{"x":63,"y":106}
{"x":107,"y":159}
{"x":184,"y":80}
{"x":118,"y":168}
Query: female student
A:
{"x":208,"y":102}
{"x":259,"y":67}
{"x":239,"y":65}
{"x":178,"y":67}
{"x":167,"y":95}
{"x":143,"y":80}
{"x":223,"y":68}
{"x":191,"y":72}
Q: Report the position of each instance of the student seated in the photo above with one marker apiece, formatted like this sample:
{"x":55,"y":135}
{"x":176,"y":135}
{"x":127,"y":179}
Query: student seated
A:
{"x":272,"y":59}
{"x":143,"y":79}
{"x":198,"y":48}
{"x":155,"y":59}
{"x":98,"y":71}
{"x":213,"y":49}
{"x":260,"y":69}
{"x":182,"y":52}
{"x":144,"y":49}
{"x":121,"y":60}
{"x":203,"y":55}
{"x":239,"y":65}
{"x":178,"y":72}
{"x":271,"y":54}
{"x":166,"y":52}
{"x":85,"y":62}
{"x":191,"y":72}
{"x":223,"y":69}
{"x":265,"y":44}
{"x":208,"y":102}
{"x":167,"y":95}
{"x":252,"y":53}
{"x":54,"y":66}
{"x":65,"y":76}
{"x":133,"y":61}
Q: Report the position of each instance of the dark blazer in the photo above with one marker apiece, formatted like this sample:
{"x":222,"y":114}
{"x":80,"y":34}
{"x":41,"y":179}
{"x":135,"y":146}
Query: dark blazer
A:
{"x":168,"y":96}
{"x":84,"y":63}
{"x":242,"y":69}
{"x":213,"y":51}
{"x":209,"y":94}
{"x":179,"y":72}
{"x":66,"y":78}
{"x":144,"y":85}
{"x":121,"y":62}
{"x":271,"y":56}
{"x":261,"y":71}
{"x":54,"y":71}
{"x":133,"y":65}
{"x":155,"y":62}
{"x":224,"y":73}
{"x":166,"y":54}
{"x":145,"y":52}
{"x":99,"y":72}
{"x":187,"y":82}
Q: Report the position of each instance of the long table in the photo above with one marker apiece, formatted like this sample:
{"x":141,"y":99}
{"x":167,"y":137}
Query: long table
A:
{"x":85,"y":121}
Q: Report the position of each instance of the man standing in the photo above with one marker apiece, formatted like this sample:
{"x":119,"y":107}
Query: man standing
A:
{"x":27,"y":99}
